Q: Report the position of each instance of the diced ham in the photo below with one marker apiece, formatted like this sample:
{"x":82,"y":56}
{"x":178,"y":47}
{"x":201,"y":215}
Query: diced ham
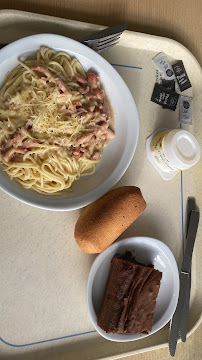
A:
{"x":19,"y":144}
{"x":88,"y":116}
{"x":81,"y":152}
{"x":5,"y":145}
{"x":96,"y":155}
{"x":99,"y":94}
{"x":28,"y":143}
{"x":100,"y":117}
{"x":103,"y":124}
{"x":110,"y":133}
{"x":85,"y":139}
{"x":13,"y":142}
{"x":100,"y":128}
{"x":8,"y":155}
{"x":84,"y":90}
{"x":81,"y":79}
{"x":89,"y":96}
{"x":43,"y":70}
{"x":84,"y":151}
{"x":103,"y":138}
{"x":62,"y":87}
{"x":93,"y":80}
{"x":17,"y":140}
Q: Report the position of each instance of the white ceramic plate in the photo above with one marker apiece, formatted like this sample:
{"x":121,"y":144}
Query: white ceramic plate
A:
{"x":117,"y":155}
{"x":146,"y":251}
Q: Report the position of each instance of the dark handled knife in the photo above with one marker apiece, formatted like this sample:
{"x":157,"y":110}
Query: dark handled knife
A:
{"x":191,"y":205}
{"x":184,"y":281}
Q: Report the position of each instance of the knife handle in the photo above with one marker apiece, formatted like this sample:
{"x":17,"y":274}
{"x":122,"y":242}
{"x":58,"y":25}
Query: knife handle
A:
{"x":191,"y":235}
{"x":175,"y":322}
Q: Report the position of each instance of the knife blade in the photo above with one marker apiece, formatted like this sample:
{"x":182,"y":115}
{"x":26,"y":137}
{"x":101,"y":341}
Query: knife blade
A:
{"x":191,"y":205}
{"x":184,"y":281}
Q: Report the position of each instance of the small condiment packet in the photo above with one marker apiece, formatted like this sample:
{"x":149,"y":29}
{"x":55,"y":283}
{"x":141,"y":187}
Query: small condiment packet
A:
{"x":186,"y":106}
{"x":164,"y":97}
{"x":181,"y":76}
{"x":168,"y":84}
{"x":164,"y":66}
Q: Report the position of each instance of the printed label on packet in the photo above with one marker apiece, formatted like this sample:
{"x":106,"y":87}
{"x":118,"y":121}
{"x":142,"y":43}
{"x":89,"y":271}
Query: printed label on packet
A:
{"x":181,"y":76}
{"x":164,"y":66}
{"x":170,"y":85}
{"x":186,"y":106}
{"x":165,"y":97}
{"x":159,"y":155}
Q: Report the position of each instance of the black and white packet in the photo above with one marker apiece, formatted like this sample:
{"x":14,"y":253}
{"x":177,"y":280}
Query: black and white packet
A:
{"x":181,"y":76}
{"x":163,"y":65}
{"x":186,"y":108}
{"x":170,"y":85}
{"x":165,"y":97}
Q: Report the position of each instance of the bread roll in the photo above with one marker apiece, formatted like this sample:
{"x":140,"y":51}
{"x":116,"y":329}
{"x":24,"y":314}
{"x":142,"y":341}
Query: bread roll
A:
{"x":103,"y":221}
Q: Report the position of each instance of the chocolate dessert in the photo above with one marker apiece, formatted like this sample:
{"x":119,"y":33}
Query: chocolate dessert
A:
{"x":130,"y":297}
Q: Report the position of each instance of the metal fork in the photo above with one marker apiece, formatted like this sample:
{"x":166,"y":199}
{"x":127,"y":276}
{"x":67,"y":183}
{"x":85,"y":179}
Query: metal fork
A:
{"x":101,"y":40}
{"x":104,"y":39}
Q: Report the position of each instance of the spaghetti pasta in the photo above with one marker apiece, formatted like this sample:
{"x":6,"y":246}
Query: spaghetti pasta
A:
{"x":54,"y":122}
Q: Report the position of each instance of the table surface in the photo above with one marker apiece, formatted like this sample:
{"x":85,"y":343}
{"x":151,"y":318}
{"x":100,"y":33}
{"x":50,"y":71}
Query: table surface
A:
{"x":177,"y":19}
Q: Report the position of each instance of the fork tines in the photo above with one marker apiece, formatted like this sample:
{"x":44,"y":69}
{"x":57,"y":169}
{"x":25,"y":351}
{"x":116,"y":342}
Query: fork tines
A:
{"x":106,"y":38}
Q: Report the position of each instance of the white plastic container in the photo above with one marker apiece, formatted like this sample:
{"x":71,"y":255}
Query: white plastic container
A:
{"x":171,"y":151}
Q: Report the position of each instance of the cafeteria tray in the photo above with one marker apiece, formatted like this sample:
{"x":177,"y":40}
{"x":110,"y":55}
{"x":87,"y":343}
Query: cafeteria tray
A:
{"x":43,"y":274}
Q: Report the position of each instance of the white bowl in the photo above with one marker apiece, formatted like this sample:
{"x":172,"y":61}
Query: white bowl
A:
{"x":146,"y":251}
{"x":116,"y":156}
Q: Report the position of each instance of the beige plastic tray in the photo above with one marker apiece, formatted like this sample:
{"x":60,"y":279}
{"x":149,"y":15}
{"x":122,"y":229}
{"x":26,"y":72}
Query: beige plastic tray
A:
{"x":43,"y":274}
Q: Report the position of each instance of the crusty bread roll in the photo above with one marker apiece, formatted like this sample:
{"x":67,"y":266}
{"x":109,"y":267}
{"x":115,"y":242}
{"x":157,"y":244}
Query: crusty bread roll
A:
{"x":103,"y":221}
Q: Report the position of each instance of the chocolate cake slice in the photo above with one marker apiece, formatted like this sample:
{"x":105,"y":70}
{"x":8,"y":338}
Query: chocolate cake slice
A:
{"x":130,"y":297}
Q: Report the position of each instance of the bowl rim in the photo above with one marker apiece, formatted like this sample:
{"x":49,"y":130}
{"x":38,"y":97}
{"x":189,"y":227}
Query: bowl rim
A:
{"x":63,"y":204}
{"x":95,"y":266}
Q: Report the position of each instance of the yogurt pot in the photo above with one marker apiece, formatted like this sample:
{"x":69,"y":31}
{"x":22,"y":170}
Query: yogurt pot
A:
{"x":171,"y":151}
